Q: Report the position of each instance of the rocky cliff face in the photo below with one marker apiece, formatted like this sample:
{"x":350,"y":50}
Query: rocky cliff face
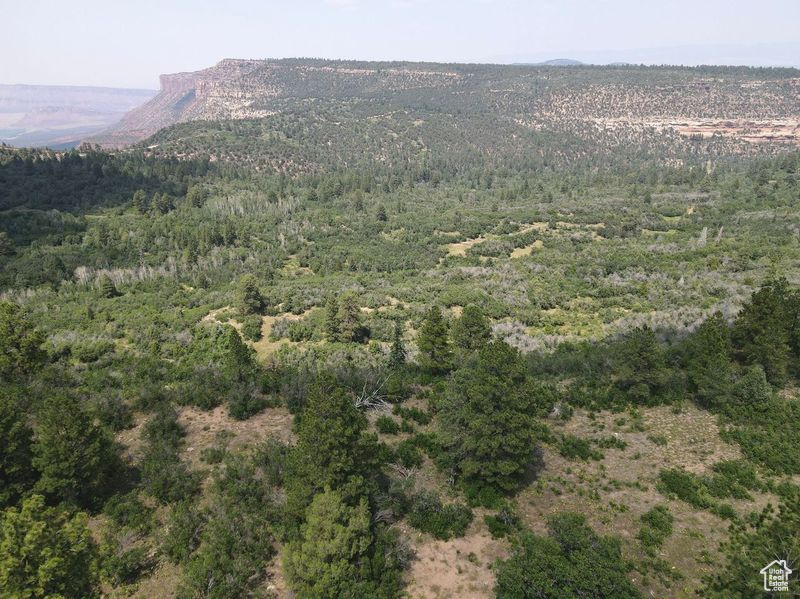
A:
{"x":240,"y":89}
{"x":623,"y":101}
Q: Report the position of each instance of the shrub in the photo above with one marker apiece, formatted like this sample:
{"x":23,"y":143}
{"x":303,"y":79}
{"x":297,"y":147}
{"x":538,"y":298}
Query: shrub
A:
{"x":442,"y":521}
{"x":504,"y":522}
{"x":548,"y":564}
{"x":387,"y":425}
{"x":251,"y":328}
{"x":572,"y":447}
{"x":656,"y":528}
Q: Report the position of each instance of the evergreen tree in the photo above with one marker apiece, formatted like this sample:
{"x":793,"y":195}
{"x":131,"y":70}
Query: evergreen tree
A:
{"x":140,"y":201}
{"x":76,"y":458}
{"x":381,"y":214}
{"x":332,"y":322}
{"x":349,"y":319}
{"x":751,"y":395}
{"x":755,"y":543}
{"x":397,"y":355}
{"x":239,"y":357}
{"x":761,"y":332}
{"x":333,"y":449}
{"x":331,"y":557}
{"x":641,"y":365}
{"x":709,"y":361}
{"x":45,"y":552}
{"x":488,"y":420}
{"x":572,"y":562}
{"x":16,"y":474}
{"x":21,"y":350}
{"x":434,"y":346}
{"x":250,"y":299}
{"x":107,"y":287}
{"x":195,"y":196}
{"x":471,"y":330}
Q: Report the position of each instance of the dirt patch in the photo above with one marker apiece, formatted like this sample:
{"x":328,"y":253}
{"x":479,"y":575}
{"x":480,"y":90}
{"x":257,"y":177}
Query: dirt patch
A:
{"x":459,"y":568}
{"x":202,"y":428}
{"x":527,"y":250}
{"x":265,"y":346}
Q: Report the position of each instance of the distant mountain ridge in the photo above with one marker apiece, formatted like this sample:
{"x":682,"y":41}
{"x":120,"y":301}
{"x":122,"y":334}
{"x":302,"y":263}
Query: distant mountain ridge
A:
{"x":61,"y":116}
{"x":301,"y":114}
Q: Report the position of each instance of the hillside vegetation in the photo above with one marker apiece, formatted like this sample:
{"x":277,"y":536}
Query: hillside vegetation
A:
{"x":316,"y":353}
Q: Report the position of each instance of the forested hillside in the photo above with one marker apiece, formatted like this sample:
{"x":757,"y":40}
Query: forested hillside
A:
{"x":437,"y":352}
{"x":311,"y":115}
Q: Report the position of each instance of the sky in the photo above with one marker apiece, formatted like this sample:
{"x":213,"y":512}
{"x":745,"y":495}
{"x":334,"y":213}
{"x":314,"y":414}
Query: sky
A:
{"x":128,"y":43}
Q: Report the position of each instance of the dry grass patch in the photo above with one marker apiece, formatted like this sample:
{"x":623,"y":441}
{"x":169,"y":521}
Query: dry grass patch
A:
{"x":615,"y":491}
{"x":458,"y":568}
{"x":202,"y":428}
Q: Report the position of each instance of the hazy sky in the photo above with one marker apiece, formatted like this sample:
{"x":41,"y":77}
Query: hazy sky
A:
{"x":128,"y":43}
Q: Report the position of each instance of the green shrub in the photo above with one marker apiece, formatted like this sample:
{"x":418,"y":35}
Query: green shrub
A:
{"x":442,"y":521}
{"x":387,"y":425}
{"x":408,"y":454}
{"x":685,"y":486}
{"x":251,"y":328}
{"x":656,"y":528}
{"x":572,"y":447}
{"x":505,"y":522}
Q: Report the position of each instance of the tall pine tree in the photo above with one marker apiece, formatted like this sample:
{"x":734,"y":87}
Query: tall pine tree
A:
{"x":436,"y":354}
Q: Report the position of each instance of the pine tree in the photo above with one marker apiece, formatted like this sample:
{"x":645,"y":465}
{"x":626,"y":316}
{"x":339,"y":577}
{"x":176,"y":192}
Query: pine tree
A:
{"x":6,"y":244}
{"x":471,"y":330}
{"x":329,"y":559}
{"x":76,"y":458}
{"x":16,"y":475}
{"x":46,"y":552}
{"x":641,"y":365}
{"x":140,"y":201}
{"x":239,"y":357}
{"x":250,"y":299}
{"x":21,"y":350}
{"x":397,"y":355}
{"x":762,"y":330}
{"x":488,"y":420}
{"x":434,"y":346}
{"x":381,"y":214}
{"x":333,"y":449}
{"x":332,"y":323}
{"x":349,"y":319}
{"x":709,"y":361}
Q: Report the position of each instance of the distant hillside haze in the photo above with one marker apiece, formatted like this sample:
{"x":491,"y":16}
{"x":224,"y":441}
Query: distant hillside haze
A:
{"x":307,"y":115}
{"x":61,"y":116}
